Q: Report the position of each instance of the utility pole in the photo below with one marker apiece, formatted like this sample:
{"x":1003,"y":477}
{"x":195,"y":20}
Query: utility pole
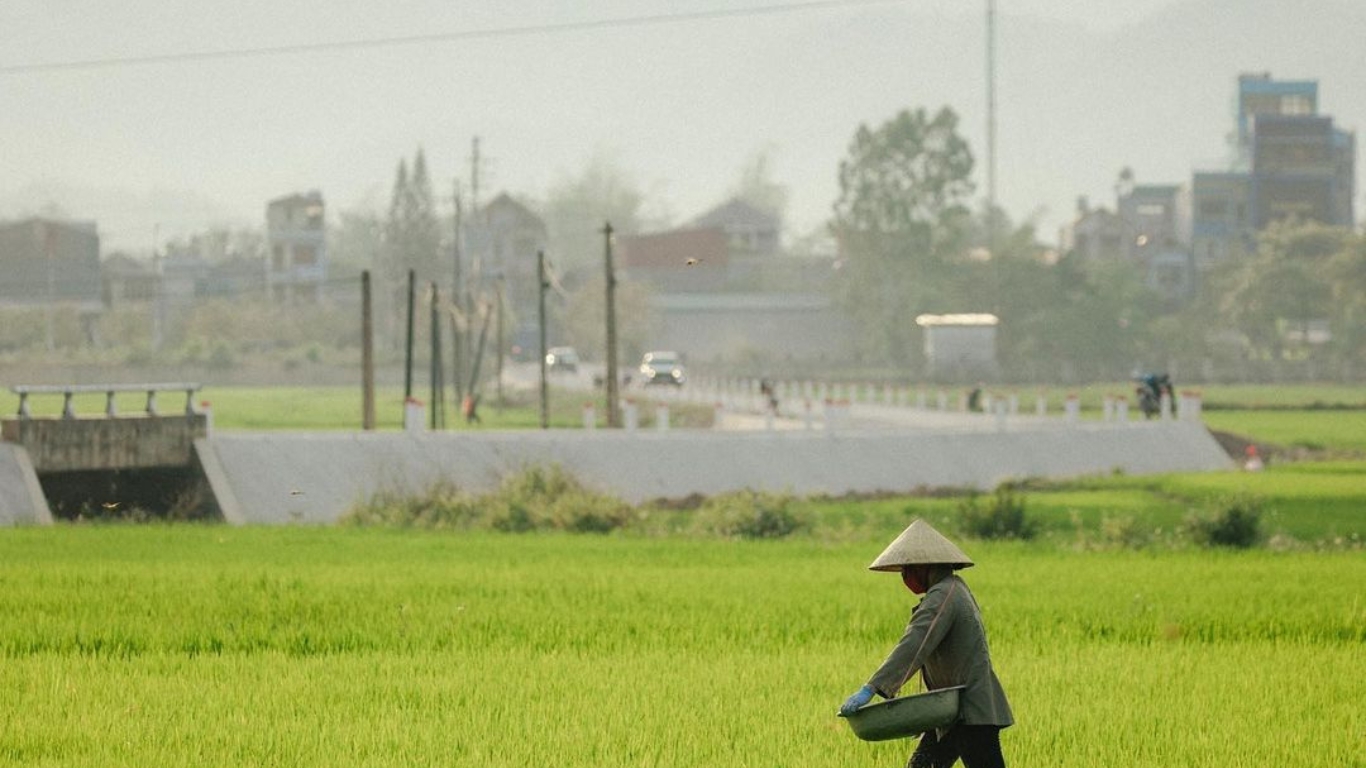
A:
{"x":611,"y":291}
{"x":159,"y":310}
{"x":438,"y":419}
{"x":542,"y":284}
{"x":367,"y":354}
{"x":476,"y":226}
{"x":49,"y":248}
{"x":498,"y":340}
{"x":474,"y":175}
{"x":991,"y":157}
{"x":408,"y":348}
{"x":457,"y":290}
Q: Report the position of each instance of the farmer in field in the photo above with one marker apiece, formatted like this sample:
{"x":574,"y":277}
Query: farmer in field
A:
{"x":947,"y":643}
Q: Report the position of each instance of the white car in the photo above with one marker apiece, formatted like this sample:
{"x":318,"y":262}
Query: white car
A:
{"x":562,"y":359}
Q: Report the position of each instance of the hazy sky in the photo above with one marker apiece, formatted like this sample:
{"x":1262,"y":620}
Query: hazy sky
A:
{"x":680,"y":106}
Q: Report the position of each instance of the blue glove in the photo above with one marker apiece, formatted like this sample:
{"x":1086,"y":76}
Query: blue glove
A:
{"x":861,"y":696}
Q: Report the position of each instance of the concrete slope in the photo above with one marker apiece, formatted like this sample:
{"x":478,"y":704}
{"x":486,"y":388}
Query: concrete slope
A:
{"x":315,"y":477}
{"x":21,"y":497}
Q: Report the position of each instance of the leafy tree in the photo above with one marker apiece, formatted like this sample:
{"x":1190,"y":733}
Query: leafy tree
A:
{"x":905,"y":177}
{"x":357,"y":239}
{"x":585,"y":319}
{"x":577,"y":208}
{"x":899,"y":218}
{"x":1283,"y":286}
{"x":1347,"y":280}
{"x":411,"y":233}
{"x":757,"y":187}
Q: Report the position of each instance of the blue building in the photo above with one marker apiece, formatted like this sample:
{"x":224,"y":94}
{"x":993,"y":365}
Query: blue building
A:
{"x":1288,"y":162}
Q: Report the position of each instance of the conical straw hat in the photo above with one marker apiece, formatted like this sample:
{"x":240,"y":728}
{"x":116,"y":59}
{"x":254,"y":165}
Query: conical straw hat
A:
{"x":920,"y":544}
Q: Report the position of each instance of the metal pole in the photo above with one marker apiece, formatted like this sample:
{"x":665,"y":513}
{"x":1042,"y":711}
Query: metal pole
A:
{"x":541,"y":286}
{"x":438,"y":419}
{"x":367,"y":354}
{"x":991,"y":157}
{"x":50,"y":306}
{"x":457,"y":349}
{"x":408,"y":352}
{"x":611,"y":291}
{"x":498,"y":341}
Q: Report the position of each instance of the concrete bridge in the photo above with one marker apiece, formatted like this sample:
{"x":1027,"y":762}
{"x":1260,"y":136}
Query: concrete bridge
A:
{"x":70,"y":456}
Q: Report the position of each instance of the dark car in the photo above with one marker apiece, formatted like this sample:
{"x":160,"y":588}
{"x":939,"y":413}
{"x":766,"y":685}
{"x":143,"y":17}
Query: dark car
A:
{"x":661,"y":368}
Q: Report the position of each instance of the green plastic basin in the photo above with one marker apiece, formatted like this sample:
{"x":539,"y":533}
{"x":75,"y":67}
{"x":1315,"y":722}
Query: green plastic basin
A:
{"x":905,"y":717}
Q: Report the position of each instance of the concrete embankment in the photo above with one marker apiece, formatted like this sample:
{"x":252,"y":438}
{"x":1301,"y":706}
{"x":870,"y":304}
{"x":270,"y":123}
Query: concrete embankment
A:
{"x":21,"y":496}
{"x":264,"y":478}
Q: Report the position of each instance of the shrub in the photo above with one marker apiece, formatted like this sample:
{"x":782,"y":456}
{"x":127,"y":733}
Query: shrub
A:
{"x":1002,"y":518}
{"x":534,"y":499}
{"x":1233,"y":522}
{"x":749,"y":515}
{"x":551,"y":498}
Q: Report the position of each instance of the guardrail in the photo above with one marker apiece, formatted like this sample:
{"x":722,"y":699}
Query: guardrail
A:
{"x":110,"y":390}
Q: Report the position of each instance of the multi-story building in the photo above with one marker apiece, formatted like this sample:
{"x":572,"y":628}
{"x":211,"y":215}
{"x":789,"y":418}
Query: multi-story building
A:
{"x":1150,"y":230}
{"x":54,"y":265}
{"x":1221,"y":219}
{"x":45,"y":261}
{"x":296,"y":262}
{"x":1288,"y":161}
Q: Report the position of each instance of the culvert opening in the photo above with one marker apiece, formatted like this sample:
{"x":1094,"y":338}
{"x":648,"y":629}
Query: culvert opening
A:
{"x":173,"y":493}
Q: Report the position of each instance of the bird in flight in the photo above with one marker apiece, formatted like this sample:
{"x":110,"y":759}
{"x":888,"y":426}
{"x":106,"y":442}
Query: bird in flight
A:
{"x":693,"y":262}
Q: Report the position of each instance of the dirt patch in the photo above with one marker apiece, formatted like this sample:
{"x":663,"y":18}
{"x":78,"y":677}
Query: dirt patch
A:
{"x":1236,"y":447}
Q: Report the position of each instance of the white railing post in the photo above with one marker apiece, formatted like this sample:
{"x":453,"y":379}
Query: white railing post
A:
{"x":414,"y":415}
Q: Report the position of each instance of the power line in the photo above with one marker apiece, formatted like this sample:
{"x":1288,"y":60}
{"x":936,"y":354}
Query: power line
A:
{"x":438,"y":37}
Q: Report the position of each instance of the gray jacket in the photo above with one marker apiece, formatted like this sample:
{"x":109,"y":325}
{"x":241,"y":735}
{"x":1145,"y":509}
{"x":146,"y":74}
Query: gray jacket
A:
{"x":946,"y":640}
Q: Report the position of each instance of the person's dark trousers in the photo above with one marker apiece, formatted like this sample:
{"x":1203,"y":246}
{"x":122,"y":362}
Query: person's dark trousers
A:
{"x":979,"y":746}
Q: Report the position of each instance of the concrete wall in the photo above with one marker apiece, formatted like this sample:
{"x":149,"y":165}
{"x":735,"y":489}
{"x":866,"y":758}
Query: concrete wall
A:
{"x":21,"y":497}
{"x":314,"y":478}
{"x":126,"y":442}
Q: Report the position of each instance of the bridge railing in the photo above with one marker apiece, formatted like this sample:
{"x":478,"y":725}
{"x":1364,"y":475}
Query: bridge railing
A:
{"x":110,"y":390}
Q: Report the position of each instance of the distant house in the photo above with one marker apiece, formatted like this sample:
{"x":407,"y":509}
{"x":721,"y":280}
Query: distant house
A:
{"x":749,"y":231}
{"x":677,"y":261}
{"x":511,"y":235}
{"x":128,"y":280}
{"x":1150,"y":229}
{"x":723,"y":289}
{"x":1098,"y":235}
{"x":724,"y":249}
{"x":296,"y":262}
{"x":186,"y":274}
{"x":46,"y":261}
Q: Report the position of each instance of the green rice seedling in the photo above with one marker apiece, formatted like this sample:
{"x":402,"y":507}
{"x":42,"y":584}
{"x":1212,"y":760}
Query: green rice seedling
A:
{"x":205,"y":645}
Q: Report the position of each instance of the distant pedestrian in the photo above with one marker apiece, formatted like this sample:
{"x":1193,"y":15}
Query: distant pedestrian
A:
{"x":946,"y":643}
{"x":975,"y":398}
{"x":470,"y":408}
{"x":770,"y":395}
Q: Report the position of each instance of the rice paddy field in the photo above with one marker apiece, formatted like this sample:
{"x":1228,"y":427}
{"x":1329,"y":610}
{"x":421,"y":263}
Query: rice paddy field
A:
{"x":207,"y":645}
